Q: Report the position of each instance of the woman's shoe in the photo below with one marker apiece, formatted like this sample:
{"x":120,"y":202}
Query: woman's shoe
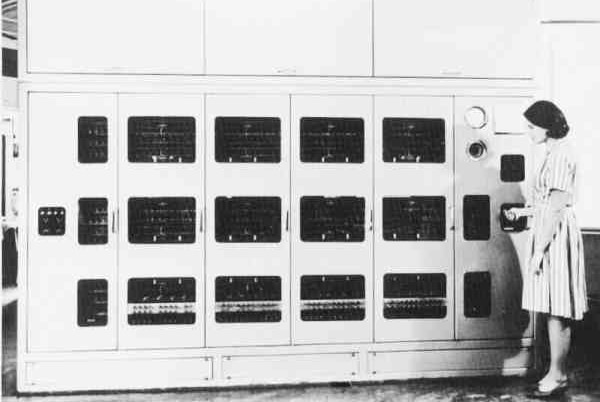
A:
{"x":558,"y":389}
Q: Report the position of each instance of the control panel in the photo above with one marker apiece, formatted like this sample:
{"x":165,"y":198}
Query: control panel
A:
{"x":92,"y":302}
{"x":332,"y":219}
{"x":414,"y":296}
{"x":154,"y":139}
{"x":51,"y":221}
{"x":93,"y":221}
{"x":161,"y":301}
{"x":248,"y":139}
{"x":332,"y":297}
{"x":414,"y":140}
{"x":332,"y":140}
{"x":245,"y":299}
{"x":414,"y":218}
{"x":507,"y":225}
{"x":248,"y":219}
{"x":162,"y":220}
{"x":92,"y":134}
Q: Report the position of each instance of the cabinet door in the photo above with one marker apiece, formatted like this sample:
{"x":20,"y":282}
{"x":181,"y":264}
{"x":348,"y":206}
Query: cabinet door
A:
{"x":414,"y":234}
{"x":331,"y":219}
{"x":248,"y":249}
{"x":288,"y":37}
{"x":161,"y":246}
{"x":493,"y":161}
{"x":72,"y":249}
{"x":462,"y":38}
{"x":115,"y":36}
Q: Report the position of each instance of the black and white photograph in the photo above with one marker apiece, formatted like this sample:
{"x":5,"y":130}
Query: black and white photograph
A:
{"x":300,"y":200}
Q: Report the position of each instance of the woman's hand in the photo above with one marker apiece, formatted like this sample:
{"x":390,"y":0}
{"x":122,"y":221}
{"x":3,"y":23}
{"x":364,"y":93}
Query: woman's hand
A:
{"x":513,"y":214}
{"x":535,"y":264}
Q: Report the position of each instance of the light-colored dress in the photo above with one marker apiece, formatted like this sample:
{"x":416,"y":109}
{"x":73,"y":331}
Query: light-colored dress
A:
{"x":560,"y":288}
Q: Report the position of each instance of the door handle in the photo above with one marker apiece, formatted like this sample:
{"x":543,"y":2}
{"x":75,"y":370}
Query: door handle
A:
{"x":113,"y":223}
{"x":202,"y":220}
{"x":371,"y":221}
{"x":287,"y":221}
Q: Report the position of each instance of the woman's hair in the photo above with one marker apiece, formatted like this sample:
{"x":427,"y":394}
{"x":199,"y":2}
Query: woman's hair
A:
{"x":546,"y":114}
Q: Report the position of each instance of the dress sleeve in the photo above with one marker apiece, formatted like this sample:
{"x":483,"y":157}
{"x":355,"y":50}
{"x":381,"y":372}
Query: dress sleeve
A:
{"x":561,"y":172}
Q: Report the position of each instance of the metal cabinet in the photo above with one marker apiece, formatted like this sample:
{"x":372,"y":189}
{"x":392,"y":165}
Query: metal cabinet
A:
{"x":115,"y":37}
{"x":493,"y":172}
{"x":414,"y":219}
{"x":161,"y":247}
{"x":462,"y":38}
{"x":274,"y":37}
{"x":72,"y":245}
{"x":247,"y":220}
{"x":331,"y":222}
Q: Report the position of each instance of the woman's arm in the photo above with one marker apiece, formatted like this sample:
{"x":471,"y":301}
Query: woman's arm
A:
{"x":557,"y":201}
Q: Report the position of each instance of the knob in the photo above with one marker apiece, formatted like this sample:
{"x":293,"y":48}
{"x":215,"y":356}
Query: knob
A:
{"x":476,"y":117}
{"x":476,"y":150}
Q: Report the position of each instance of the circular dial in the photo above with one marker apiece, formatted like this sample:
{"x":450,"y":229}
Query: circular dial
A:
{"x":475,"y":117}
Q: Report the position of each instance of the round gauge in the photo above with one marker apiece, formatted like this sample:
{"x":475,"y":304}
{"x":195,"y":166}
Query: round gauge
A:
{"x":476,"y":150}
{"x":476,"y":117}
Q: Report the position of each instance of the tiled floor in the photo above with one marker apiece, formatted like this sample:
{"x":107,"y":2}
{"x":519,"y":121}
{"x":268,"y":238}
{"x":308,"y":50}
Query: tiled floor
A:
{"x":585,"y":380}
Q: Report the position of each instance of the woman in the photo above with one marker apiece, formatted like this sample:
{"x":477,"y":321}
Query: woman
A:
{"x":554,"y":284}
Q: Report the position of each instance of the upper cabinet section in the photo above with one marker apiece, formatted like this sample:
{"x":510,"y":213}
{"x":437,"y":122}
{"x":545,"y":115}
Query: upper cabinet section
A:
{"x":289,"y":37}
{"x":458,"y":39}
{"x":561,"y":10}
{"x":115,"y":36}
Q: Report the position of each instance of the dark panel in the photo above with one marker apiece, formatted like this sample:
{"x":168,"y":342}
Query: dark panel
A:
{"x":332,"y":297}
{"x":409,"y":296}
{"x":476,"y":217}
{"x":92,"y":133}
{"x":518,"y":225}
{"x":332,"y":219}
{"x":248,"y":299}
{"x":10,"y":66}
{"x":93,"y":221}
{"x":51,"y":221}
{"x":413,"y":140}
{"x":161,"y":301}
{"x":248,"y":219}
{"x":332,"y":140}
{"x":477,"y":294}
{"x":155,"y":139}
{"x":162,"y":220}
{"x":414,"y":218}
{"x":92,"y":302}
{"x":248,"y":139}
{"x":512,"y":168}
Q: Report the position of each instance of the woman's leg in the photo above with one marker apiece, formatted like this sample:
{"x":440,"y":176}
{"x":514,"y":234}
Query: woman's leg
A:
{"x":559,"y":336}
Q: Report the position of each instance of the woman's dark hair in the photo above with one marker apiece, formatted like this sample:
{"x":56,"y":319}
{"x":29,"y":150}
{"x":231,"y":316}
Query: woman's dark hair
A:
{"x":546,"y":114}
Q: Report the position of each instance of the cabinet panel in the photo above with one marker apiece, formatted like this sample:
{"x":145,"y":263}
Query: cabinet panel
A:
{"x":161,"y":246}
{"x":112,"y":36}
{"x":275,"y":37}
{"x":247,"y":225}
{"x":72,"y":251}
{"x":463,"y":38}
{"x":414,"y":269}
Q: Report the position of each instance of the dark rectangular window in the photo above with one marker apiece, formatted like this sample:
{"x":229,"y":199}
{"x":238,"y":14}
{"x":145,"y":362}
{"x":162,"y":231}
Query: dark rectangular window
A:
{"x":476,"y":217}
{"x":162,"y":220}
{"x":248,"y":139}
{"x":92,"y":132}
{"x":332,"y":219}
{"x":414,"y":140}
{"x":332,"y":297}
{"x":9,"y":62}
{"x":161,"y":301}
{"x":93,"y":221}
{"x":477,"y":294}
{"x":92,"y":302}
{"x":409,"y":296}
{"x":332,"y":140}
{"x":414,"y":218}
{"x":159,"y":139}
{"x":248,"y":219}
{"x":247,"y":299}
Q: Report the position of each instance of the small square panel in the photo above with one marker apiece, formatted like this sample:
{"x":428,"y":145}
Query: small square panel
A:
{"x":512,"y":168}
{"x":51,"y":221}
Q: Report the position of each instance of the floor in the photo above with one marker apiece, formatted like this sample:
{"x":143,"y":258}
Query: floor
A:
{"x":584,"y":362}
